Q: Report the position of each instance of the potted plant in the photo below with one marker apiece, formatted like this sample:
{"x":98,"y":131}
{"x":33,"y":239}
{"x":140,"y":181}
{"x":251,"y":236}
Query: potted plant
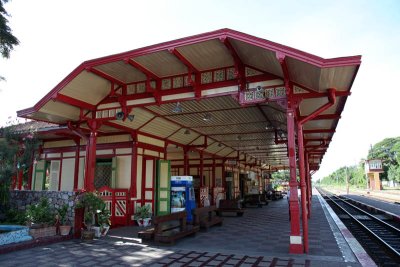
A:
{"x":91,"y":204}
{"x":104,"y":221}
{"x":40,"y":219}
{"x":62,"y":216}
{"x":143,"y":215}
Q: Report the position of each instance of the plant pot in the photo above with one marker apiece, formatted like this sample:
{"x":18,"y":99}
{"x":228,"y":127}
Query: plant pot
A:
{"x":105,"y":229}
{"x":87,"y":235}
{"x":97,"y":232}
{"x":144,"y":222}
{"x":65,"y":229}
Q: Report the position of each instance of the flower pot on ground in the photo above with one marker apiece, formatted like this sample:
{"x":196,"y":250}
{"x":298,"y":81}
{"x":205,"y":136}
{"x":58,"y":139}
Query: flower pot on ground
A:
{"x":103,"y":220}
{"x":95,"y":214}
{"x":87,"y":235}
{"x":62,"y":212}
{"x":143,"y":215}
{"x":40,"y":219}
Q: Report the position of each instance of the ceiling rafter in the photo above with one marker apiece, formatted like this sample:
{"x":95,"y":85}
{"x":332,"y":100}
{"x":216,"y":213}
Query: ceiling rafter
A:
{"x":239,"y":66}
{"x":74,"y":102}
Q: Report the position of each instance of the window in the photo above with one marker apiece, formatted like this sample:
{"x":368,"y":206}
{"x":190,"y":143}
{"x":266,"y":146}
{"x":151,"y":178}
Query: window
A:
{"x":103,"y":173}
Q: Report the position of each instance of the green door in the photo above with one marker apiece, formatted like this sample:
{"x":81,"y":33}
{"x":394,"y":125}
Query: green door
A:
{"x":163,"y":187}
{"x":39,"y":176}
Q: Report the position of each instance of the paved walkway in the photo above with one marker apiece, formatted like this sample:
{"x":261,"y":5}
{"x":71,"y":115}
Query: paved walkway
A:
{"x":259,"y":238}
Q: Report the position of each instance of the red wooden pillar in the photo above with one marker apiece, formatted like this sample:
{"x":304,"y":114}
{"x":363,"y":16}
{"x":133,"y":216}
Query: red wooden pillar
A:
{"x":76,"y":170}
{"x":186,"y":163}
{"x":19,"y":173}
{"x":91,"y":155}
{"x":296,"y":244}
{"x":30,"y":171}
{"x":133,"y":190}
{"x":201,"y":170}
{"x":309,"y":188}
{"x":213,"y":174}
{"x":303,"y":189}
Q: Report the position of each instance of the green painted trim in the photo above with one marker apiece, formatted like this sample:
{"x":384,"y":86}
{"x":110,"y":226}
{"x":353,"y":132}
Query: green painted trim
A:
{"x":160,"y":189}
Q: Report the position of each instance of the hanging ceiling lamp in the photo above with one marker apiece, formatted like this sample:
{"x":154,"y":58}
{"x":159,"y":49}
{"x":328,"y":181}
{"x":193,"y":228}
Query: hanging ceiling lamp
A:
{"x":177,"y":108}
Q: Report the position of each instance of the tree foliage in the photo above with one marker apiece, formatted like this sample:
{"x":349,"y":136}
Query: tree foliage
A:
{"x":388,"y":150}
{"x":7,"y":39}
{"x":18,"y":143}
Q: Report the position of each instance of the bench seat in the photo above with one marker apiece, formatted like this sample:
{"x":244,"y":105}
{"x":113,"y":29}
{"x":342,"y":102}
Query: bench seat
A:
{"x":231,"y":206}
{"x":205,"y":217}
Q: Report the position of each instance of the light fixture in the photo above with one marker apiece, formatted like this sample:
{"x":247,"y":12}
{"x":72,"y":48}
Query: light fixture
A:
{"x":177,"y":108}
{"x":207,"y":117}
{"x":187,"y":131}
{"x":130,"y":117}
{"x":120,"y":115}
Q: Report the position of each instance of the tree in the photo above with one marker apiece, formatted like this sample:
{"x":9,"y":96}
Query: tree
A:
{"x":7,"y":39}
{"x":18,"y":144}
{"x":388,"y":150}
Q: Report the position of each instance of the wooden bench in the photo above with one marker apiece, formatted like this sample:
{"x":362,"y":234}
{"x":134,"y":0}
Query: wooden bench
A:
{"x":171,"y":227}
{"x":252,"y":200}
{"x":264,"y":199}
{"x":227,"y":205}
{"x":206,"y":217}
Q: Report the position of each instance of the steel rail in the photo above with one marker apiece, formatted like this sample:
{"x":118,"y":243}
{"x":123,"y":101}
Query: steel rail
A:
{"x":374,"y":235}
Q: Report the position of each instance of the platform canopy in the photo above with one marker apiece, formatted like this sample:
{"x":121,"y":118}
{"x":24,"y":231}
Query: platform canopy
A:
{"x":223,"y":93}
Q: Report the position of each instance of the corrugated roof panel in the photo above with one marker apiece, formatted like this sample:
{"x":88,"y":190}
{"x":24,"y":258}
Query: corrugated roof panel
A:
{"x":207,"y":55}
{"x":162,"y":64}
{"x":258,"y":57}
{"x":87,"y":87}
{"x":61,"y":110}
{"x":122,"y":71}
{"x":182,"y":138}
{"x":160,"y":127}
{"x":319,"y":124}
{"x":308,"y":106}
{"x":339,"y":78}
{"x":304,"y":73}
{"x":141,"y":117}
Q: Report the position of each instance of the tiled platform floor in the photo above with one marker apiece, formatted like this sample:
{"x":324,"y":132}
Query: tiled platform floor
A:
{"x":259,"y":238}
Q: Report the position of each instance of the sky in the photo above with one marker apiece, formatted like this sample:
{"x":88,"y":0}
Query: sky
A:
{"x":56,"y":36}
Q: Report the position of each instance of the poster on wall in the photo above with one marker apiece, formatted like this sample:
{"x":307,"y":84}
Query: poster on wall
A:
{"x":178,"y":199}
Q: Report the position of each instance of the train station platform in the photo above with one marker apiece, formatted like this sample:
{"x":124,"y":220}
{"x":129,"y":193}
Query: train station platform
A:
{"x":259,"y":238}
{"x":392,"y":207}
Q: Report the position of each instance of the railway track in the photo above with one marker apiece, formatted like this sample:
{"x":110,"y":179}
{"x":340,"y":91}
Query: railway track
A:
{"x":379,"y":236}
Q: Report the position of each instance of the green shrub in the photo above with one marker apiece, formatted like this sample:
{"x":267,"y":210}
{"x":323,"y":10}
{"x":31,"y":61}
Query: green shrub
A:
{"x":14,"y":217}
{"x":62,"y":212}
{"x":40,"y":213}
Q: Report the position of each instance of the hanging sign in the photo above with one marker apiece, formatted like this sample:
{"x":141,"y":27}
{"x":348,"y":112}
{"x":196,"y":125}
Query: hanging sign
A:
{"x":261,"y":94}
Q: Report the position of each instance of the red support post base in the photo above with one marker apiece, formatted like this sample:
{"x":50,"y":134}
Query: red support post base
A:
{"x":296,"y":249}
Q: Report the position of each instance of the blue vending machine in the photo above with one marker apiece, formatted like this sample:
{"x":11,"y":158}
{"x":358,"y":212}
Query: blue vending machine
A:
{"x":182,"y":195}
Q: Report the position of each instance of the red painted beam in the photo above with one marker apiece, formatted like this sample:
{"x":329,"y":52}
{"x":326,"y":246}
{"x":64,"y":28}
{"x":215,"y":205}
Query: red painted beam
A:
{"x":239,"y":66}
{"x":319,"y":131}
{"x":141,"y":68}
{"x":74,"y":102}
{"x":323,"y":117}
{"x":105,"y":76}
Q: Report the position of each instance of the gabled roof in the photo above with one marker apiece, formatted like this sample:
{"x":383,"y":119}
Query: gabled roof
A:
{"x":203,"y":72}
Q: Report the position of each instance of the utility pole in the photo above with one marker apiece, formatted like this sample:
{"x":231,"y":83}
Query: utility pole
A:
{"x":347,"y":182}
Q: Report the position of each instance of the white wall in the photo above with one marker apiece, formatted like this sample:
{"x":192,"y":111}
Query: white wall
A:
{"x":67,"y":174}
{"x":123,"y":172}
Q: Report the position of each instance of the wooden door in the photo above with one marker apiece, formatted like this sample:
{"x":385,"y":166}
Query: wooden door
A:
{"x":39,"y":175}
{"x":163,"y":187}
{"x":148,"y":175}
